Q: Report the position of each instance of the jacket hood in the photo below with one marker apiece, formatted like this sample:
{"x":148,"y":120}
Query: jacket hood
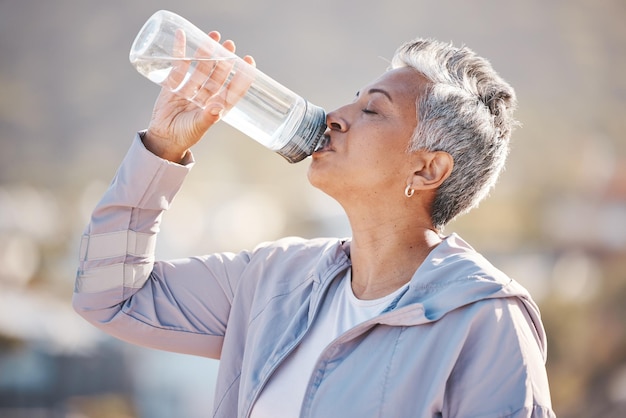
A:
{"x":452,"y":276}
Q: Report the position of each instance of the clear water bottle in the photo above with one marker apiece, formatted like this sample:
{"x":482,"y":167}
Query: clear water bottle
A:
{"x":172,"y":52}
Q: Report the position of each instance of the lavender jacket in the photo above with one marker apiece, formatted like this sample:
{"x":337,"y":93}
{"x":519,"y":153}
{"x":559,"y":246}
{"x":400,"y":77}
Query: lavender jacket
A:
{"x":463,"y":341}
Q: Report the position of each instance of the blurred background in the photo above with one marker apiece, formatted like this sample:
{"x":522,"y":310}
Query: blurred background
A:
{"x":71,"y":103}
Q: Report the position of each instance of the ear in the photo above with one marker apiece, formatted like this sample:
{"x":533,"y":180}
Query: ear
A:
{"x":431,"y":169}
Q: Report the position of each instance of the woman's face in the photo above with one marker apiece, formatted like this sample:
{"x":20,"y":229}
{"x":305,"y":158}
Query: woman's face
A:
{"x":366,"y":155}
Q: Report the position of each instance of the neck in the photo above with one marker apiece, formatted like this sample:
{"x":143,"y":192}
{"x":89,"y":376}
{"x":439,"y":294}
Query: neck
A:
{"x":386,"y":254}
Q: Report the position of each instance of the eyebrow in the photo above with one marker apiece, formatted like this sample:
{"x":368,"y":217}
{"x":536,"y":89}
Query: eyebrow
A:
{"x":375,"y":90}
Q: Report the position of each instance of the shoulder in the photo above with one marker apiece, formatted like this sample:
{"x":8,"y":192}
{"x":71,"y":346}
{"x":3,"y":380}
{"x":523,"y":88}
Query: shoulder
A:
{"x":299,"y":250}
{"x":497,"y":320}
{"x":290,"y":258}
{"x":459,"y":260}
{"x":457,"y":279}
{"x":281,"y":275}
{"x":501,"y":354}
{"x":294,"y":243}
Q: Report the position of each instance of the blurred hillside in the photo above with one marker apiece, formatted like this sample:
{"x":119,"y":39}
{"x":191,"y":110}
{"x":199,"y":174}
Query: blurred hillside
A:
{"x":71,"y":103}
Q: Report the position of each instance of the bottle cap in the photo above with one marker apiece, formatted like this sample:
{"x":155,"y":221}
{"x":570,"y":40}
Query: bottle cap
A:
{"x":307,"y":135}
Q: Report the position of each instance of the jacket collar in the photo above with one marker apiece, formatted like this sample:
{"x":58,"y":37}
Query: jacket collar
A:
{"x":452,"y":276}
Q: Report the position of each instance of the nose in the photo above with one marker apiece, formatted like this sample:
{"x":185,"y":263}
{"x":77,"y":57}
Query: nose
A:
{"x":335,"y":122}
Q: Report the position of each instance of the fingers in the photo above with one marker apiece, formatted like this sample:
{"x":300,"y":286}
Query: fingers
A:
{"x":204,"y":77}
{"x":215,"y":76}
{"x":198,"y":69}
{"x":210,"y":116}
{"x":180,"y":66}
{"x":213,"y":80}
{"x":250,"y":60}
{"x":180,"y":43}
{"x":210,"y":76}
{"x":215,"y":35}
{"x":229,"y":46}
{"x":239,"y":84}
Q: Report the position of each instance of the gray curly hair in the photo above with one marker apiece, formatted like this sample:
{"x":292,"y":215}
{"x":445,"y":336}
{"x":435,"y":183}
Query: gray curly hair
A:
{"x":465,"y":111}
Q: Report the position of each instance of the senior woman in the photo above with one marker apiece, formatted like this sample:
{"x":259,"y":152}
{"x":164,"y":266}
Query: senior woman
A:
{"x":396,"y":321}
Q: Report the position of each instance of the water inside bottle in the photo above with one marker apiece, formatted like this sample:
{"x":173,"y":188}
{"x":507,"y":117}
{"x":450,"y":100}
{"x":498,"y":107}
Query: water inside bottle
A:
{"x":253,"y":103}
{"x":158,"y":69}
{"x":267,"y":112}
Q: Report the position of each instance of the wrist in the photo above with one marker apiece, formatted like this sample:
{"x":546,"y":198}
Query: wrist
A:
{"x":162,"y":147}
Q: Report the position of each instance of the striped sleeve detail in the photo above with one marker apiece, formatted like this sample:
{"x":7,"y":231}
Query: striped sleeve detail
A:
{"x":116,"y":244}
{"x":131,"y":256}
{"x":100,"y":279}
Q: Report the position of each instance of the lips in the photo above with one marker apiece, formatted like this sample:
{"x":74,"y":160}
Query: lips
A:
{"x":323,"y":144}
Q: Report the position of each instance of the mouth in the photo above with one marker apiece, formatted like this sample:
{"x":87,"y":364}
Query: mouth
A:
{"x":323,"y":144}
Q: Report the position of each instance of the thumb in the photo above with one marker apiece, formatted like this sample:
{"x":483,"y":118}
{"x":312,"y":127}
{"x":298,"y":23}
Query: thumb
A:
{"x":212,"y":114}
{"x":215,"y":111}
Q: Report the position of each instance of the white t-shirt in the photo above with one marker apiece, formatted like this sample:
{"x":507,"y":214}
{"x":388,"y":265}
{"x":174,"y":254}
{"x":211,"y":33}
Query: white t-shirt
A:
{"x":341,"y":310}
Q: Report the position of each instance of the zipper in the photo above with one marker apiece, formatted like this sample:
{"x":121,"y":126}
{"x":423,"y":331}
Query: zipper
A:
{"x":333,"y":273}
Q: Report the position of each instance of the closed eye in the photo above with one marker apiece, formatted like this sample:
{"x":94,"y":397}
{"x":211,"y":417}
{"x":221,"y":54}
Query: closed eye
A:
{"x":368,"y":111}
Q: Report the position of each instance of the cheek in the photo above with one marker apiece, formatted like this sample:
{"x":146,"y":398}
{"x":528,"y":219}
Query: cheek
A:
{"x":392,"y":144}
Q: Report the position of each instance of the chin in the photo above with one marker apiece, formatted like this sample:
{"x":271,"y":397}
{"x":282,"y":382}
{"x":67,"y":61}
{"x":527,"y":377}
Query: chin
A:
{"x":318,"y":177}
{"x":312,"y":175}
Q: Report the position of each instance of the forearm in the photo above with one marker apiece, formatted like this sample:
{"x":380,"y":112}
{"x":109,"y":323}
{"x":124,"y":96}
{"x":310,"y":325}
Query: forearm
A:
{"x":122,"y":231}
{"x":117,"y":248}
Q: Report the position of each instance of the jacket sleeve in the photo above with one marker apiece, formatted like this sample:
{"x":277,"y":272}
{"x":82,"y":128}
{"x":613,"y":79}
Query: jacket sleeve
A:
{"x":180,"y":306}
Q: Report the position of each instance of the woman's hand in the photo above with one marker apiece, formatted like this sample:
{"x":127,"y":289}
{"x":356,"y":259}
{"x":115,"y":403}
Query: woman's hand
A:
{"x":177,"y":124}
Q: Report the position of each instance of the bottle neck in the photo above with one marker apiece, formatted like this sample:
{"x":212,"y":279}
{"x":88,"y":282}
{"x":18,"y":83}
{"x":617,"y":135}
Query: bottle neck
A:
{"x":308,"y":133}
